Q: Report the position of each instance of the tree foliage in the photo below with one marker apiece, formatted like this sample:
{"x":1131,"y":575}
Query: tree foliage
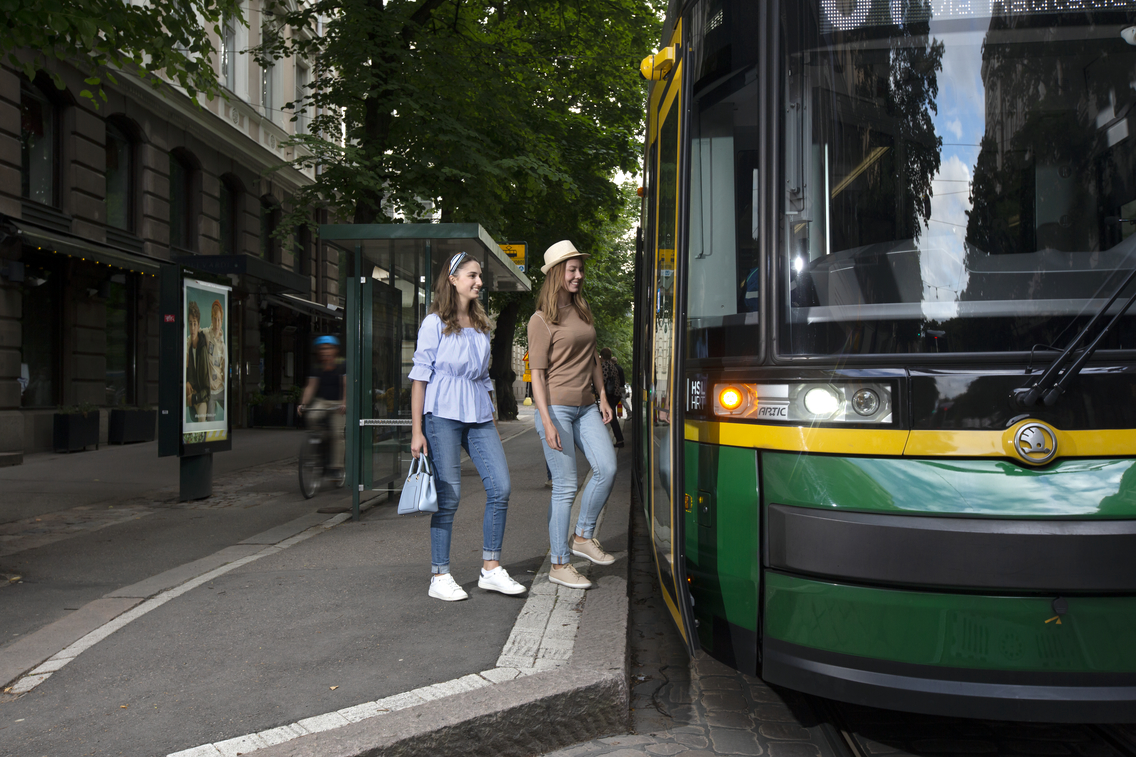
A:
{"x":155,"y":40}
{"x":514,"y":114}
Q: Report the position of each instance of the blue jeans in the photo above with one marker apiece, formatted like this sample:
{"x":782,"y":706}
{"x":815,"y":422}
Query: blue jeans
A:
{"x":446,"y":439}
{"x":581,"y":427}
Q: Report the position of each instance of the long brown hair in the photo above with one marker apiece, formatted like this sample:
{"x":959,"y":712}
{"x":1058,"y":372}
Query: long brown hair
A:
{"x":446,"y":301}
{"x":547,"y":302}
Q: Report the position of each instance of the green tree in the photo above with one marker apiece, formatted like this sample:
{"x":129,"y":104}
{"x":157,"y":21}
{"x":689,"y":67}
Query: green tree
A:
{"x":514,"y":114}
{"x":159,"y":39}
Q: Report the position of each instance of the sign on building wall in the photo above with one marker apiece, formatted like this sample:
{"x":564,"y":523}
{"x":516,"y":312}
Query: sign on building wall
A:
{"x":205,"y":362}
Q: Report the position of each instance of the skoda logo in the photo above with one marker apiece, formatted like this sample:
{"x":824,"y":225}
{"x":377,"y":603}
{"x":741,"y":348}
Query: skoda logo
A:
{"x":1035,"y":443}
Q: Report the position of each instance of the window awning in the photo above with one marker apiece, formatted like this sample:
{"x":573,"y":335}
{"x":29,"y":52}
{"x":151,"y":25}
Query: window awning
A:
{"x":84,"y":249}
{"x":276,"y":277}
{"x":307,"y":307}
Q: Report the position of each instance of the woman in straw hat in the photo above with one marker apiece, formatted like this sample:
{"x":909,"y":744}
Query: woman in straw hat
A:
{"x":450,"y":408}
{"x":566,"y":377}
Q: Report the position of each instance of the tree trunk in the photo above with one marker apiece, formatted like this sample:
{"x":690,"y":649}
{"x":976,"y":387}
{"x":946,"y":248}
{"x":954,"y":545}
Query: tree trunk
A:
{"x":502,"y":371}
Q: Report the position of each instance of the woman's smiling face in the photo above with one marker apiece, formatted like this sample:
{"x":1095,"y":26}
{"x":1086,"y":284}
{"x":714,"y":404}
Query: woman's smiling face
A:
{"x":467,"y":280}
{"x":574,"y":275}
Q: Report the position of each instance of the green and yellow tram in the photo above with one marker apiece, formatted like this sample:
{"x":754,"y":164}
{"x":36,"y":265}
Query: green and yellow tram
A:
{"x":885,"y":379}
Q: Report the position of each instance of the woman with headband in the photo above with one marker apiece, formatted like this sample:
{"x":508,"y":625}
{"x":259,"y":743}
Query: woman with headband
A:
{"x":451,"y":409}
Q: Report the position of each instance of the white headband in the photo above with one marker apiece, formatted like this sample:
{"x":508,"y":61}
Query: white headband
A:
{"x":457,"y":261}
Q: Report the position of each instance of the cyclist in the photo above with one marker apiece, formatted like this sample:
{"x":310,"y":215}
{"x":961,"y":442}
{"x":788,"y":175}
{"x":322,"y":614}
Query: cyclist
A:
{"x":326,"y":395}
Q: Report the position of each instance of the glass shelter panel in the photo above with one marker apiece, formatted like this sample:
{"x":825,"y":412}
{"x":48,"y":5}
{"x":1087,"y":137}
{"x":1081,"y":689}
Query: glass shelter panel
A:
{"x":959,"y":177}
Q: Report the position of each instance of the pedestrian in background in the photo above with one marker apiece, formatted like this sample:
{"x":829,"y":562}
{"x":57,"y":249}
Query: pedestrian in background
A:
{"x":451,"y":409}
{"x":613,"y":385}
{"x":566,"y":377}
{"x":325,"y":398}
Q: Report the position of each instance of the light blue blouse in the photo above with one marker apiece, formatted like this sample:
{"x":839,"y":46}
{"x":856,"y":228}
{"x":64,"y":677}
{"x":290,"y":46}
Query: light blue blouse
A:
{"x":456,"y":369}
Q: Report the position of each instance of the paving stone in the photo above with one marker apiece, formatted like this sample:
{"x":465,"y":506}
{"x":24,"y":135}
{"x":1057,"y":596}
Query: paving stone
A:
{"x":774,"y":712}
{"x":627,"y":740}
{"x":764,"y":694}
{"x":793,"y":749}
{"x":708,"y":666}
{"x":718,"y":683}
{"x":692,"y":740}
{"x":735,"y":741}
{"x":784,"y":732}
{"x":724,"y":700}
{"x":665,"y":749}
{"x":729,"y":719}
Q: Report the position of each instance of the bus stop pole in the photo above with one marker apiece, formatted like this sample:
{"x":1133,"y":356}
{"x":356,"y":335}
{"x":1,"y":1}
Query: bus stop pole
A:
{"x":354,"y":355}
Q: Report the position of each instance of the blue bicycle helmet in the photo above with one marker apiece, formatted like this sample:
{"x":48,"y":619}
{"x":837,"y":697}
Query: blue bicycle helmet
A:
{"x":327,"y":339}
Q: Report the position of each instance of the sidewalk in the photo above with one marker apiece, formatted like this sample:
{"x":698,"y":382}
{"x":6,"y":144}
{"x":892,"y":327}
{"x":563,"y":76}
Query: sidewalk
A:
{"x":315,"y":634}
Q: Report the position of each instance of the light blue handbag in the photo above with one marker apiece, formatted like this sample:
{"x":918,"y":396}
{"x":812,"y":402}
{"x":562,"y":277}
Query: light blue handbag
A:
{"x":419,"y":493}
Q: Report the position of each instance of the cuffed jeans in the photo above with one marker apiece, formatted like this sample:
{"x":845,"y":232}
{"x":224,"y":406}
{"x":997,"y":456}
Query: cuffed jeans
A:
{"x":581,"y":427}
{"x":446,"y":439}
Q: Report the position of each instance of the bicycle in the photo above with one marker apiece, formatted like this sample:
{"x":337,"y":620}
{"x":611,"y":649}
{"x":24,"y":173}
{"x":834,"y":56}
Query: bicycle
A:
{"x":315,"y":450}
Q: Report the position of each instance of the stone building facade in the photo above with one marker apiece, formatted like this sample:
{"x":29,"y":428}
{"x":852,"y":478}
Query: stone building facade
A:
{"x":93,"y":200}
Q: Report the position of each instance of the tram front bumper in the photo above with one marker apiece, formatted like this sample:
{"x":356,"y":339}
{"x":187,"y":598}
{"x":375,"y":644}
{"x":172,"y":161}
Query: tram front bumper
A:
{"x":961,"y":654}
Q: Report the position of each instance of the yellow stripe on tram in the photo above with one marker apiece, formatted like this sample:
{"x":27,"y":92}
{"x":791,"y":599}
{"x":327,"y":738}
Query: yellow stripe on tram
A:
{"x":896,"y":443}
{"x":846,"y":441}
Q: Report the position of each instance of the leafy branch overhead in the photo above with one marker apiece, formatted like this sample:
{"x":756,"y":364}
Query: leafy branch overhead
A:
{"x":161,"y":38}
{"x":473,"y":107}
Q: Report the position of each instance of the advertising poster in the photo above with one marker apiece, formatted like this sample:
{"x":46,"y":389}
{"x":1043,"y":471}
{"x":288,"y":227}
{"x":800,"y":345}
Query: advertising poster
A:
{"x":206,"y":361}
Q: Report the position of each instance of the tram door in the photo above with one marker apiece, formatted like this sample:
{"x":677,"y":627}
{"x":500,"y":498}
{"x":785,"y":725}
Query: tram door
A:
{"x":660,"y":362}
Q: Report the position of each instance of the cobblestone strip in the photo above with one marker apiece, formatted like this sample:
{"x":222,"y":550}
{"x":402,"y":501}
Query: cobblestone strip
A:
{"x":42,"y":672}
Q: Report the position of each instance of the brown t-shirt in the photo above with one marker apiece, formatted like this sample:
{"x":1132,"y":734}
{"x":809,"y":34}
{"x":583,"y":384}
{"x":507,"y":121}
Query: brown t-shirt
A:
{"x":567,"y":352}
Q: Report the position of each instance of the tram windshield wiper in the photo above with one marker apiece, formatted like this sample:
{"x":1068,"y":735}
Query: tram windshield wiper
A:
{"x":1049,"y":387}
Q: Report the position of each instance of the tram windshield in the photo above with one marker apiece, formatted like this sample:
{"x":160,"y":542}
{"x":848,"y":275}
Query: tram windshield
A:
{"x":956,"y":180}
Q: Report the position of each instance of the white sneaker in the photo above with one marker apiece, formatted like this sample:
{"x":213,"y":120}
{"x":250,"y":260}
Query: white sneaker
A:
{"x":445,"y":588}
{"x":499,"y":579}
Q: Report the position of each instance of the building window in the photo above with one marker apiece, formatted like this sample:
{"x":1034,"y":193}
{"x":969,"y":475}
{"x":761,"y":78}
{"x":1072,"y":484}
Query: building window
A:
{"x":301,"y":107}
{"x":40,"y":329}
{"x":119,"y":179}
{"x":181,"y":202}
{"x":229,"y":54}
{"x":269,"y":221}
{"x":302,"y":240}
{"x":232,"y":200}
{"x":268,"y":90}
{"x":119,"y":341}
{"x":39,"y":147}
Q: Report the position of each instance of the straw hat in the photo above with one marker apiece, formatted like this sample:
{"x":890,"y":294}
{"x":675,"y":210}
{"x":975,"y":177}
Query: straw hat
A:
{"x":560,"y":252}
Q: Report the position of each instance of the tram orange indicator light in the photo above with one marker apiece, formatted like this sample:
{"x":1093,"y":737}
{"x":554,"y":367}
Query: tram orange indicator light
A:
{"x":730,"y":398}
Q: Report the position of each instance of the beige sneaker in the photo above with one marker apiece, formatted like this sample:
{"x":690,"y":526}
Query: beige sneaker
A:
{"x":566,"y":575}
{"x":591,"y":550}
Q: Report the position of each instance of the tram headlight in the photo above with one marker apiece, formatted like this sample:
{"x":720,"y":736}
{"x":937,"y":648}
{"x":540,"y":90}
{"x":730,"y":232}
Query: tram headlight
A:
{"x":821,"y":401}
{"x":865,"y":402}
{"x":806,"y":402}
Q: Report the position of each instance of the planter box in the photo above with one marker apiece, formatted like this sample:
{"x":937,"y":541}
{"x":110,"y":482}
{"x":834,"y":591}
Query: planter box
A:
{"x":130,"y":425}
{"x":74,"y":432}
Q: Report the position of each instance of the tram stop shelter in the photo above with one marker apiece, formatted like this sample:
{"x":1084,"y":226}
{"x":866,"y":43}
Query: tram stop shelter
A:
{"x":389,"y":273}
